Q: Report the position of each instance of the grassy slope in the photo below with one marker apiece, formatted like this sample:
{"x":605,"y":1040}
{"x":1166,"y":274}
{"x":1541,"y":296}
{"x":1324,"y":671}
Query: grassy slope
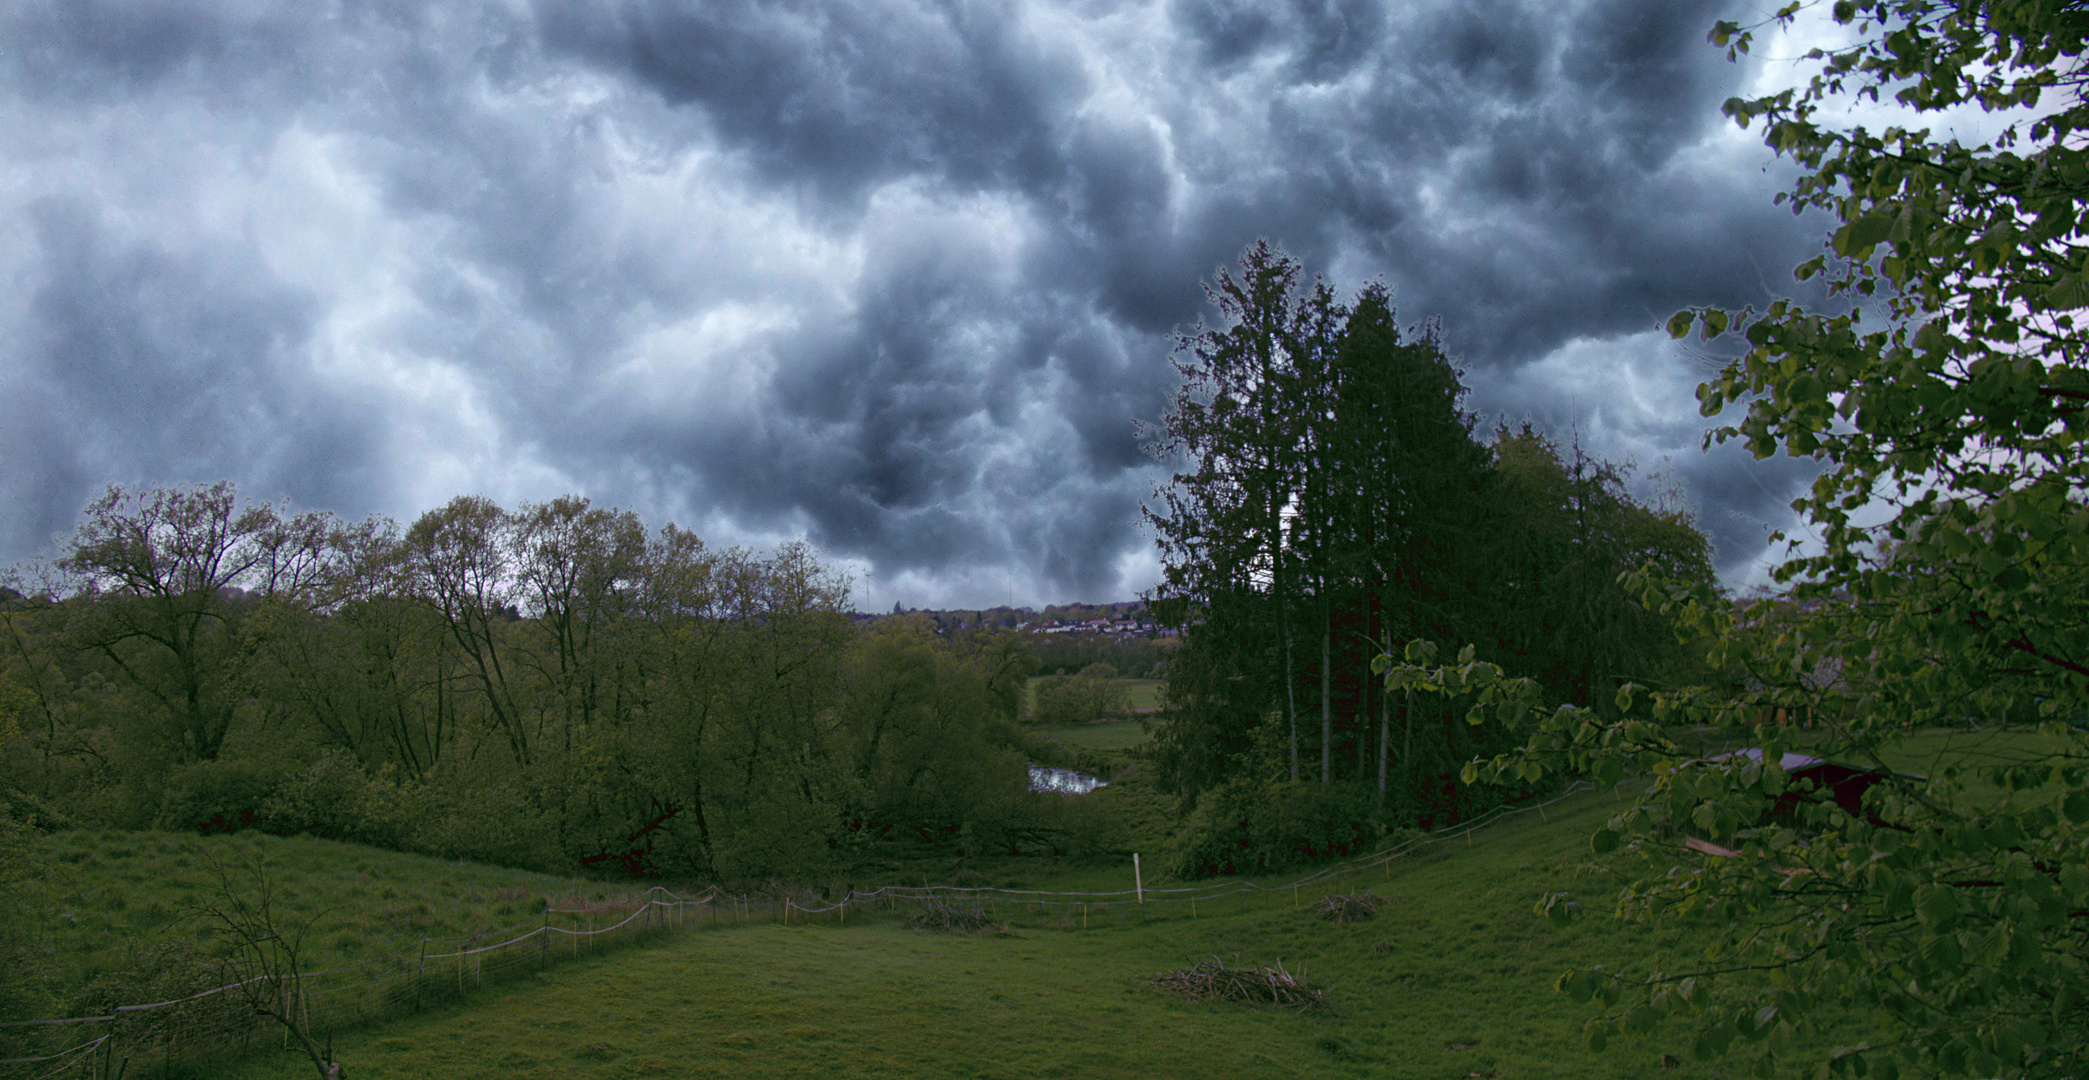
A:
{"x":1458,"y":960}
{"x":117,"y":895}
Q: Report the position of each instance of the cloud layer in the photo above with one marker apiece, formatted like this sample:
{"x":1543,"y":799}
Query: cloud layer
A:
{"x":894,"y":276}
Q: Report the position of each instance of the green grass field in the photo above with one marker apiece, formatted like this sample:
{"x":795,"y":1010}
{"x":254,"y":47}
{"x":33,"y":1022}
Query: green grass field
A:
{"x":1144,"y":694}
{"x":124,"y":901}
{"x":1452,"y":980}
{"x":1119,"y":735}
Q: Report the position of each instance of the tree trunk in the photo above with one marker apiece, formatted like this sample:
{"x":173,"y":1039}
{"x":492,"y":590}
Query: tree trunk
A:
{"x":1407,"y":758}
{"x":1327,"y":700}
{"x":1284,"y":633}
{"x":1385,"y":720}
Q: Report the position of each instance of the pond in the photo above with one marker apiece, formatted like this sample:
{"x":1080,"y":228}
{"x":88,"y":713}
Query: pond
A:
{"x":1063,"y":781}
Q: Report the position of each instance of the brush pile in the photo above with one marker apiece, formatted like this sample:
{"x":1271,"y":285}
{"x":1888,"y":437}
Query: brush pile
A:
{"x":1348,"y":907}
{"x":942,"y":915}
{"x":1212,"y":980}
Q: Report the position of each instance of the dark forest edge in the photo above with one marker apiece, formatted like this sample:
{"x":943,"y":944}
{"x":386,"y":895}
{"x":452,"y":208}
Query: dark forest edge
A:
{"x":1333,"y":500}
{"x":560,"y":687}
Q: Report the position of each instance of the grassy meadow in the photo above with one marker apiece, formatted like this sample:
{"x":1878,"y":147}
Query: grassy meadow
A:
{"x":126,"y":905}
{"x":1114,"y":735}
{"x":1452,"y":979}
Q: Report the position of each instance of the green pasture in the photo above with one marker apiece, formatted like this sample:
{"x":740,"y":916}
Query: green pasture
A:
{"x":1453,"y":979}
{"x":1116,"y":735}
{"x":1143,"y":694}
{"x":124,"y":906}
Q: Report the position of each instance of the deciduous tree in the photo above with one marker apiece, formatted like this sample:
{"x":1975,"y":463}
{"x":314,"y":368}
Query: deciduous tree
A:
{"x":1945,"y":400}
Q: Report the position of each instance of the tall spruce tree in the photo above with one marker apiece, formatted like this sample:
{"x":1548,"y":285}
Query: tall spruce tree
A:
{"x":1326,"y":497}
{"x":1223,"y":522}
{"x":1333,"y":502}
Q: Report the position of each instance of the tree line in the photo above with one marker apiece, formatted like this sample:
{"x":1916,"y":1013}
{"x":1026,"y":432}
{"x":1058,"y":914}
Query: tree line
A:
{"x":1331,"y":500}
{"x":544,"y":686}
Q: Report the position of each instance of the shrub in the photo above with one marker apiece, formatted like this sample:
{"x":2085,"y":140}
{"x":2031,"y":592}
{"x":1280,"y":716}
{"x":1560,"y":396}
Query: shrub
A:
{"x":485,"y":822}
{"x":217,"y":796}
{"x":333,"y":799}
{"x":1250,"y":826}
{"x":1092,"y":694}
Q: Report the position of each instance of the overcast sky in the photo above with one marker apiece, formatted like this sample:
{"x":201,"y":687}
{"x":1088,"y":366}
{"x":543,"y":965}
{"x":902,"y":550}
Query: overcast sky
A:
{"x":893,"y":276}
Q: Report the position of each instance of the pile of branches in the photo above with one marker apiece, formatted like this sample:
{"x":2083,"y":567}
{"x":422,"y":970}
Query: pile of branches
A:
{"x":938,"y":915}
{"x":1212,"y":980}
{"x":1350,"y":907}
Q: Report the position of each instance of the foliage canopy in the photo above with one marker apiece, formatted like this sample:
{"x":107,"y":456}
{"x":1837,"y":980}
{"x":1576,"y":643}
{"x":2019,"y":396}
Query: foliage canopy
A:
{"x":1942,"y":587}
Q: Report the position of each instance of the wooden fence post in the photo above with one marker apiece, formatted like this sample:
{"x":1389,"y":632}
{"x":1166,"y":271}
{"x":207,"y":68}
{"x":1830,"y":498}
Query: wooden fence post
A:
{"x":420,"y":971}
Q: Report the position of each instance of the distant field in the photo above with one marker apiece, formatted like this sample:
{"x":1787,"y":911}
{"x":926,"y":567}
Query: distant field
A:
{"x":1113,"y":736}
{"x":1142,"y":694}
{"x":1453,"y":980}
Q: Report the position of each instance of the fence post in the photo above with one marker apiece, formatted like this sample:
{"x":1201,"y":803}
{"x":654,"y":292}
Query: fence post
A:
{"x":420,"y":972}
{"x":544,"y":946}
{"x":1138,"y":880}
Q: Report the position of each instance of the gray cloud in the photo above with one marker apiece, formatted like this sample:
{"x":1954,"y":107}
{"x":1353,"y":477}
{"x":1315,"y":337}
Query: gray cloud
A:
{"x":893,"y":275}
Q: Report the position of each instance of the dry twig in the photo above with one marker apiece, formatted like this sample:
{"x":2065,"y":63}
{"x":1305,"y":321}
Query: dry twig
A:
{"x":939,"y":915}
{"x":1212,"y":980}
{"x":1350,"y":907}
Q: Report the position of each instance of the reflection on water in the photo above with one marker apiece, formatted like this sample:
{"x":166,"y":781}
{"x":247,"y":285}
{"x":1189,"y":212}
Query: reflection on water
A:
{"x":1063,"y":781}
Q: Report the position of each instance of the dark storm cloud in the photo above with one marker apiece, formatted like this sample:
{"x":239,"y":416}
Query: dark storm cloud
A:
{"x":896,"y":275}
{"x":154,"y":365}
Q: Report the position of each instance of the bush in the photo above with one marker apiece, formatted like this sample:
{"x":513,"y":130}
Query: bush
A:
{"x":336,"y":800}
{"x":217,"y":796}
{"x":1092,"y":694}
{"x":483,"y":821}
{"x":455,"y":816}
{"x":1249,"y":826}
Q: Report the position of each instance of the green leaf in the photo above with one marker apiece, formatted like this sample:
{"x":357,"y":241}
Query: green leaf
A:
{"x":1856,"y":239}
{"x":2068,"y":292}
{"x":2074,"y":879}
{"x":1936,"y":907}
{"x":2076,"y":806}
{"x":1603,"y":842}
{"x":1679,"y":324}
